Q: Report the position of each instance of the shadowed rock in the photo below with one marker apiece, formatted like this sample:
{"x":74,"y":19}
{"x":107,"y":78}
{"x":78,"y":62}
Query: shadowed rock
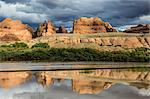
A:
{"x":139,"y":29}
{"x":9,"y":37}
{"x":62,"y":29}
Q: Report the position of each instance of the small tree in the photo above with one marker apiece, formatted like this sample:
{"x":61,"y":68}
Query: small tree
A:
{"x":19,"y":45}
{"x":40,"y":45}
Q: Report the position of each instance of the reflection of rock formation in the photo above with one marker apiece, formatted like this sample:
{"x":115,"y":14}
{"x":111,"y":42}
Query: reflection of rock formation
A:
{"x":89,"y":87}
{"x":93,"y":81}
{"x":44,"y":79}
{"x":120,"y":75}
{"x":140,"y":85}
{"x":12,"y":79}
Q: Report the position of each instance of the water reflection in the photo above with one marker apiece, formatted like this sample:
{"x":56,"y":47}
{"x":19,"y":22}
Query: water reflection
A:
{"x":95,"y":81}
{"x":35,"y":85}
{"x":12,"y":79}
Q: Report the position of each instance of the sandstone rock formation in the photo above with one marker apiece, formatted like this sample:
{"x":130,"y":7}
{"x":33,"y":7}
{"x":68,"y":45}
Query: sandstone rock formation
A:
{"x":91,"y":25}
{"x":13,"y":79}
{"x":45,"y":29}
{"x":107,"y":43}
{"x":109,"y":28}
{"x":11,"y":30}
{"x":139,"y":29}
{"x":9,"y":37}
{"x":62,"y":29}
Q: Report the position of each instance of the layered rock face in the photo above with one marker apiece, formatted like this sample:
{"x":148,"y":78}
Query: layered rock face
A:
{"x":123,"y":42}
{"x":139,"y":29}
{"x":91,"y":25}
{"x":62,"y":29}
{"x":11,"y":30}
{"x":45,"y":29}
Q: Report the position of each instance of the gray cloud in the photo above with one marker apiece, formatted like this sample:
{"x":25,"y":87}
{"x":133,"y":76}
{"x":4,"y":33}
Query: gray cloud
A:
{"x":118,"y":12}
{"x":16,"y":1}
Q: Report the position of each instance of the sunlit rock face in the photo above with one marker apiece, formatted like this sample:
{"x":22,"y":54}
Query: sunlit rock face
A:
{"x":89,"y":87}
{"x":45,"y":29}
{"x":13,"y":79}
{"x":139,"y":29}
{"x":14,"y":30}
{"x":91,"y":25}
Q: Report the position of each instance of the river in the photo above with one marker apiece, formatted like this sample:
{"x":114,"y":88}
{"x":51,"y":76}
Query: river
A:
{"x":82,"y":80}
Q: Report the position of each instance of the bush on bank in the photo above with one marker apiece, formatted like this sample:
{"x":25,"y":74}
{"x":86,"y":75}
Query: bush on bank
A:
{"x":70,"y":54}
{"x":16,"y":45}
{"x":40,"y":45}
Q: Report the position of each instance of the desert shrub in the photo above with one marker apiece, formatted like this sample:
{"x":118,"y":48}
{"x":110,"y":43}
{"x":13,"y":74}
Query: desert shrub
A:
{"x":5,"y":46}
{"x":40,"y":45}
{"x":19,"y":45}
{"x":76,"y":55}
{"x":15,"y":45}
{"x":141,"y":49}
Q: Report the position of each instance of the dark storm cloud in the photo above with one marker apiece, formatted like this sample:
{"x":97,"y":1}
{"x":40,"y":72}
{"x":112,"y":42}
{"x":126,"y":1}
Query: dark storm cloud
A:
{"x":125,"y":10}
{"x":16,"y":1}
{"x":52,"y":4}
{"x":118,"y":12}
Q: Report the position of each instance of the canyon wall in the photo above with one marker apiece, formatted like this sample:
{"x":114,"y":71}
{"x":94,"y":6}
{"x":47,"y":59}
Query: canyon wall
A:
{"x":139,"y":29}
{"x":124,"y":42}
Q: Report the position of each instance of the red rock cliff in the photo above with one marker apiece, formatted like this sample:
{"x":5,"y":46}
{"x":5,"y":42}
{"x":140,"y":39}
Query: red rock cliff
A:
{"x":45,"y":29}
{"x":11,"y":30}
{"x":91,"y":25}
{"x":139,"y":29}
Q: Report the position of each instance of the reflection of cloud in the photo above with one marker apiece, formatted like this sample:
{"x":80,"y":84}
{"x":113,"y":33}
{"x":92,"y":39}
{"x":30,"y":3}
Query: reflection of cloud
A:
{"x":30,"y":88}
{"x":144,"y":92}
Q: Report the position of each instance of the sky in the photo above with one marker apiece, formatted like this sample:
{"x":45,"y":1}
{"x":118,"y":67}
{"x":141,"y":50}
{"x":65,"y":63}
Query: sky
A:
{"x":117,"y":12}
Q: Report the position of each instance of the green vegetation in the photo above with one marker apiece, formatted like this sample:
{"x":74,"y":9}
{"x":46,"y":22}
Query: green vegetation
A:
{"x":42,"y":52}
{"x":15,"y":45}
{"x":86,"y":71}
{"x":40,"y":45}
